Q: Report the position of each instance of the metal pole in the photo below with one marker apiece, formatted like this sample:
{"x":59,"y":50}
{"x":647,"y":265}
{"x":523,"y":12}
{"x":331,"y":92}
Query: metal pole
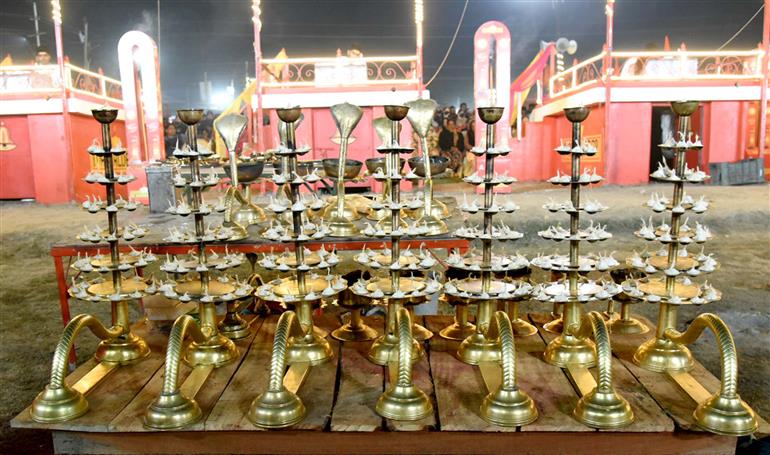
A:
{"x":257,"y":135}
{"x":765,"y":75}
{"x":418,"y":19}
{"x":85,"y":44}
{"x":36,"y":19}
{"x":609,"y":159}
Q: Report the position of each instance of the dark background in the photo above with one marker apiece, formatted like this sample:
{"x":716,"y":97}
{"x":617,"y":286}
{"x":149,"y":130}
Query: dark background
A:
{"x":216,"y":36}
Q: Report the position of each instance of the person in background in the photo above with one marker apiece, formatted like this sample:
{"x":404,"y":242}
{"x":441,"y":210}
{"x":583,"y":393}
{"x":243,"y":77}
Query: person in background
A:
{"x":452,"y":145}
{"x":204,"y":138}
{"x":44,"y":77}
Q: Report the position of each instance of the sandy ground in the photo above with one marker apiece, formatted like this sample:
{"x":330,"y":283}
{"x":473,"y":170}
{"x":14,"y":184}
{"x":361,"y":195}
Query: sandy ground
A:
{"x":30,"y":322}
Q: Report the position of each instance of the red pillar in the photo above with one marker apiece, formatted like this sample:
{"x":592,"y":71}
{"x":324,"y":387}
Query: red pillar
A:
{"x":607,"y":139}
{"x":765,"y":71}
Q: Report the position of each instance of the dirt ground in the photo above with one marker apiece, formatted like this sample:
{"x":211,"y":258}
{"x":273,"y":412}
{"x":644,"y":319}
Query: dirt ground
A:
{"x":30,"y":322}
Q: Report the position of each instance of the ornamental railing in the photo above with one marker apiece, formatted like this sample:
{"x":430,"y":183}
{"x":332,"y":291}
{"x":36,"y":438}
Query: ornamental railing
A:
{"x":660,"y":66}
{"x":37,"y":80}
{"x":339,"y":71}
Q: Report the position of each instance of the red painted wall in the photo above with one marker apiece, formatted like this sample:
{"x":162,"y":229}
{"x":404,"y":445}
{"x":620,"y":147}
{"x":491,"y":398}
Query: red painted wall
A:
{"x":628,"y":159}
{"x":86,"y":130}
{"x":51,"y":164}
{"x":723,"y":131}
{"x":16,"y":165}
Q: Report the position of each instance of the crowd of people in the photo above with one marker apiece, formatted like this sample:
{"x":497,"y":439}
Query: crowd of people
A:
{"x":175,"y":133}
{"x":452,"y":136}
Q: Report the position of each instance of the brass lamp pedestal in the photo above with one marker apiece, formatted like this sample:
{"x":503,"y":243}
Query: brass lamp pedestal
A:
{"x":600,"y":405}
{"x":297,"y":343}
{"x":724,"y":412}
{"x":355,"y":329}
{"x":59,"y":401}
{"x":461,"y":328}
{"x":208,"y":348}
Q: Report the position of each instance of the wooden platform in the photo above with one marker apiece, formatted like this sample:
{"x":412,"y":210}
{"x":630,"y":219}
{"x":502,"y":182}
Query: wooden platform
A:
{"x":340,"y":397}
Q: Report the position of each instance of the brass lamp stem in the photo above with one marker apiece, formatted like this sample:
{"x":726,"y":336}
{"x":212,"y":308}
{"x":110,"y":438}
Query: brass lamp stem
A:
{"x":428,"y":182}
{"x":183,"y":326}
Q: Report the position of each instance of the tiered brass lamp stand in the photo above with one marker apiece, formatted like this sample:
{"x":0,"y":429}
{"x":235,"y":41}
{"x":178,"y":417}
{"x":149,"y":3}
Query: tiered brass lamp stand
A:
{"x":397,"y":349}
{"x":59,"y":401}
{"x":600,"y":406}
{"x":297,"y":343}
{"x":723,"y":412}
{"x":176,"y":406}
{"x":491,"y":346}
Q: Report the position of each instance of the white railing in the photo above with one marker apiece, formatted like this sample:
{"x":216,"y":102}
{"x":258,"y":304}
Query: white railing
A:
{"x":660,"y":66}
{"x":38,"y":80}
{"x":339,"y":71}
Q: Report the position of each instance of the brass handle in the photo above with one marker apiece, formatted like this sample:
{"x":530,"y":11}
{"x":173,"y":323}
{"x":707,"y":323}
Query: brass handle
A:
{"x":182,"y":326}
{"x":501,"y":328}
{"x":404,"y":324}
{"x":61,"y":354}
{"x":727,"y":352}
{"x":288,"y":326}
{"x":593,"y":323}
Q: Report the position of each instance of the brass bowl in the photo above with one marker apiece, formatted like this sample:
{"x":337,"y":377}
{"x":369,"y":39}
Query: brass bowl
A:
{"x":577,"y":114}
{"x":352,"y":168}
{"x":105,"y":115}
{"x":438,"y":165}
{"x":248,"y":171}
{"x":490,"y":115}
{"x":303,"y":167}
{"x":190,"y":116}
{"x":373,"y":163}
{"x":684,"y":108}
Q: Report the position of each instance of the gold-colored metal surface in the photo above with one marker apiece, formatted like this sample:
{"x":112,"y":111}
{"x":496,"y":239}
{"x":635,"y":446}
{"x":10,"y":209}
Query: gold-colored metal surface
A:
{"x":460,"y":329}
{"x":346,"y":117}
{"x":195,"y":288}
{"x":127,"y":286}
{"x":724,"y":412}
{"x":582,"y":378}
{"x":602,"y":407}
{"x":657,"y":286}
{"x":682,"y":262}
{"x":291,"y":287}
{"x":295,"y":376}
{"x":505,"y":404}
{"x":233,"y":325}
{"x":92,"y":378}
{"x":402,"y":400}
{"x":195,"y":380}
{"x":59,"y":402}
{"x":278,"y":407}
{"x":355,"y":329}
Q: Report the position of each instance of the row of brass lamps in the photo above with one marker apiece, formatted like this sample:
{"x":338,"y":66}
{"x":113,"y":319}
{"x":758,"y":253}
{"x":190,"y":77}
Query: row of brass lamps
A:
{"x":399,"y":282}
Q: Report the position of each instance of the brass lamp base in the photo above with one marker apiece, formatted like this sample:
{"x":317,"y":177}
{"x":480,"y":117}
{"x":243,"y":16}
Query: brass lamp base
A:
{"x":248,"y":214}
{"x":478,"y":348}
{"x":434,"y":225}
{"x":556,"y":326}
{"x":438,"y":210}
{"x":568,"y":350}
{"x":662,"y":355}
{"x":386,"y":224}
{"x":349,"y":211}
{"x":420,"y":333}
{"x":218,"y":350}
{"x":342,"y":227}
{"x":124,"y":349}
{"x":522,"y":328}
{"x":233,"y":326}
{"x":603,"y":410}
{"x":276,"y":409}
{"x":627,"y":327}
{"x":58,"y":405}
{"x":385,"y":350}
{"x":458,"y":331}
{"x":172,"y":411}
{"x":311,"y":348}
{"x":726,"y":416}
{"x":404,"y":403}
{"x":355,"y":330}
{"x":508,"y":408}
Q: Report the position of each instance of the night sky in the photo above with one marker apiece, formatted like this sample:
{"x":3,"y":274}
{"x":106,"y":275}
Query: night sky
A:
{"x":216,"y":36}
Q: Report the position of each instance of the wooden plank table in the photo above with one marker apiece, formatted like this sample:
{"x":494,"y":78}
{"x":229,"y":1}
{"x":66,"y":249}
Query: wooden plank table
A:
{"x":340,"y":397}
